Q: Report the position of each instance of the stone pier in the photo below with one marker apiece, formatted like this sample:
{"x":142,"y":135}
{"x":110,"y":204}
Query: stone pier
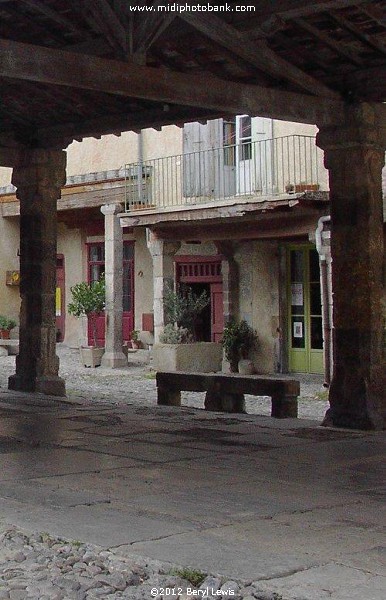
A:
{"x":162,"y":253}
{"x":38,"y":176}
{"x":113,"y":356}
{"x":354,"y":155}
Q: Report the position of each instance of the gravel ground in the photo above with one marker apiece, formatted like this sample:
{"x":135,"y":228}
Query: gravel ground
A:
{"x":135,"y":384}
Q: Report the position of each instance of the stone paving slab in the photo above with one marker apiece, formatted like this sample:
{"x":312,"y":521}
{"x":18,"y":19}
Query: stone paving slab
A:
{"x":292,"y":507}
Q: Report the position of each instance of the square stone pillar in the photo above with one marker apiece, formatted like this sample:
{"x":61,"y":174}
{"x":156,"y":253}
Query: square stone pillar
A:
{"x":38,"y":176}
{"x":354,"y":155}
{"x":162,"y":253}
{"x":113,"y":356}
{"x":230,"y":279}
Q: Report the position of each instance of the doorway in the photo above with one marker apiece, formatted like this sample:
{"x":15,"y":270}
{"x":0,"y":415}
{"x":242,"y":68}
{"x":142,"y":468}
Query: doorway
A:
{"x":60,"y":298}
{"x":204,"y":273}
{"x":96,"y":270}
{"x":305,"y":327}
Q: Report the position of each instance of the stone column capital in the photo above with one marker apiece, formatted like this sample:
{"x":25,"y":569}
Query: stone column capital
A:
{"x":111,"y":209}
{"x":363,"y":126}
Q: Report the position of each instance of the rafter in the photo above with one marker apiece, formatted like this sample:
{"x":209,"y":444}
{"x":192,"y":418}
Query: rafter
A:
{"x":257,"y":54}
{"x":47,"y":11}
{"x":100,"y":14}
{"x":292,"y":9}
{"x":152,"y":27}
{"x":370,"y":40}
{"x":328,"y":41}
{"x":34,"y":63}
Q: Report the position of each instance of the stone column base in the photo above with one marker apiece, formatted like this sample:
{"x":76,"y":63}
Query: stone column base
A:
{"x":50,"y":385}
{"x":114,"y":360}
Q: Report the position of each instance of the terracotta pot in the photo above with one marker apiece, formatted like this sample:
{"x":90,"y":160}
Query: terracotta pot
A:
{"x":5,"y":334}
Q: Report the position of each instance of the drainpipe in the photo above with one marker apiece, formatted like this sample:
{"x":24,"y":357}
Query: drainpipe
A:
{"x":326,"y":292}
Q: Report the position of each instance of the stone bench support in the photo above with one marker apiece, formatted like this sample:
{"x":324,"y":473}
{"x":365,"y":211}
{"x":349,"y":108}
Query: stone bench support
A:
{"x":225,"y":392}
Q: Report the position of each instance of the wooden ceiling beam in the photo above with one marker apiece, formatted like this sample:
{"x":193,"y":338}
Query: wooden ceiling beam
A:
{"x":51,"y":14}
{"x":115,"y":124}
{"x":152,"y":27}
{"x":369,"y":40}
{"x":293,"y":9}
{"x":328,"y":41}
{"x":34,"y":63}
{"x":100,"y":14}
{"x":257,"y":54}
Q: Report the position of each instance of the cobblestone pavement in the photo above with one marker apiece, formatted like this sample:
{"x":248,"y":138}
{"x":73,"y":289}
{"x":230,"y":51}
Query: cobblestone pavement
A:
{"x":135,"y":384}
{"x":44,"y":567}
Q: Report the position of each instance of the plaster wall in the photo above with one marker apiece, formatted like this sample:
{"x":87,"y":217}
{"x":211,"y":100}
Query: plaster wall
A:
{"x":9,"y":245}
{"x":203,"y":249}
{"x":112,"y":152}
{"x":70,"y":243}
{"x":259,"y":298}
{"x":143,"y":286}
{"x":319,"y":173}
{"x":5,"y":176}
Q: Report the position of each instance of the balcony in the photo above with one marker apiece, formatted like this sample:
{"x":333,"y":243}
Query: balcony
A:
{"x":247,"y":172}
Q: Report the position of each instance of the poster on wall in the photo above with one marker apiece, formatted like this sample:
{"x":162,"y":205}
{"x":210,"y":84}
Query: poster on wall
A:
{"x":297,"y":294}
{"x":298,"y":329}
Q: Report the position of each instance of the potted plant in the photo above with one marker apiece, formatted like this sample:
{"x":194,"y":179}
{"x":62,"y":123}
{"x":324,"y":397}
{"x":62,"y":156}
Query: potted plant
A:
{"x":179,"y":349}
{"x":88,"y":300}
{"x":135,"y":341}
{"x":6,"y":325}
{"x":239,"y":339}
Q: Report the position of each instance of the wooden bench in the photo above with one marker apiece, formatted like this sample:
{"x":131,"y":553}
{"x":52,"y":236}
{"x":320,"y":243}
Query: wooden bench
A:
{"x":225,"y":391}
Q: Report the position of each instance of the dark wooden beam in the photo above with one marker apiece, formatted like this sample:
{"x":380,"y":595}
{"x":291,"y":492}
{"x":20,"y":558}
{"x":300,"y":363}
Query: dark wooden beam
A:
{"x":369,"y":40}
{"x":257,"y":54}
{"x":115,"y":124}
{"x":152,"y":27}
{"x":292,"y":9}
{"x":100,"y":14}
{"x":329,"y":41}
{"x":9,"y":157}
{"x":51,"y":14}
{"x":34,"y":63}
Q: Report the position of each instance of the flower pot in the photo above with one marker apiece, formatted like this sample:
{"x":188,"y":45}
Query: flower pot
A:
{"x":246,"y":367}
{"x":91,"y":356}
{"x":5,"y":334}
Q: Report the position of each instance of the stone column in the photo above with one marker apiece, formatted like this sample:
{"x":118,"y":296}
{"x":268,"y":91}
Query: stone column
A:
{"x":38,"y":177}
{"x":230,"y":279}
{"x":113,"y":356}
{"x":162,"y":253}
{"x":354,"y":155}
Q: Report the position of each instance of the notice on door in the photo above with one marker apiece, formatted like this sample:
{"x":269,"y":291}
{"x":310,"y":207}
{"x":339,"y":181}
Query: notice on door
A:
{"x":297,"y":294}
{"x":298,"y":329}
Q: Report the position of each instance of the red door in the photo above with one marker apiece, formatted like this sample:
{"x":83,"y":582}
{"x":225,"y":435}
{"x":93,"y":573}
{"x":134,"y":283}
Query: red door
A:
{"x":60,"y":299}
{"x":217,"y":311}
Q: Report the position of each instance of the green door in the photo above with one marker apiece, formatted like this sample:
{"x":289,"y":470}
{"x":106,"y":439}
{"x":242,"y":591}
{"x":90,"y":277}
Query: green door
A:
{"x":305,"y":311}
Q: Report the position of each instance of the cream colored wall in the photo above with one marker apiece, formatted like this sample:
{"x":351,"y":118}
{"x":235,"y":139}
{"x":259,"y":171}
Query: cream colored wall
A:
{"x":143,"y":282}
{"x":113,"y":152}
{"x":70,"y":243}
{"x":5,"y":176}
{"x":203,"y":249}
{"x":9,"y":245}
{"x":259,"y":298}
{"x":285,"y":128}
